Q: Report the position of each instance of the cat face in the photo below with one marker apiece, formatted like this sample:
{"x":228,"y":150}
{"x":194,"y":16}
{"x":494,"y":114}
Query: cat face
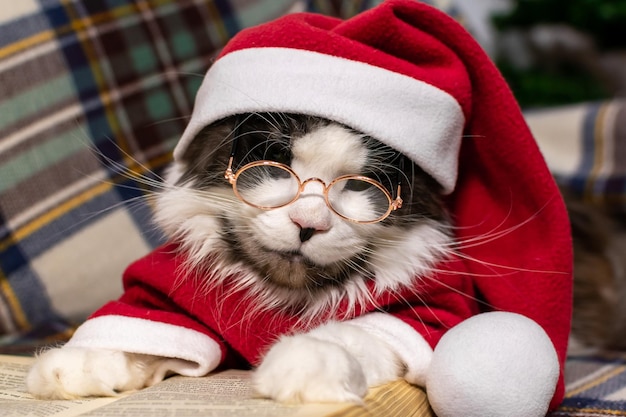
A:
{"x":320,"y":246}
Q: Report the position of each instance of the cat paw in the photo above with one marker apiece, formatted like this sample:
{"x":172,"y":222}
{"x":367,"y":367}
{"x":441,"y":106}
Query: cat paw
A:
{"x":69,"y":373}
{"x":301,"y":369}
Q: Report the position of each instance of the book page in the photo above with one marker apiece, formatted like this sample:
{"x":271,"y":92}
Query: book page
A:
{"x":16,"y":402}
{"x":224,"y":394}
{"x":227,"y":393}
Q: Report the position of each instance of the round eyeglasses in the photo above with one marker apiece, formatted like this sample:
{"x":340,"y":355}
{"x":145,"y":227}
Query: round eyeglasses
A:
{"x":269,"y":185}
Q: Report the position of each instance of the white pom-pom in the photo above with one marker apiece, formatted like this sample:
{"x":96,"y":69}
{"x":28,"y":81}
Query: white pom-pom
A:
{"x":494,"y":364}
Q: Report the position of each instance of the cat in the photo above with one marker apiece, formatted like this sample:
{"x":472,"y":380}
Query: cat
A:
{"x":307,"y":256}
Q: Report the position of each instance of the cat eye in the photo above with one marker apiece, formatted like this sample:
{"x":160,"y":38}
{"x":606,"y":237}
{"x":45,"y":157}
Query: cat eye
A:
{"x":269,"y":185}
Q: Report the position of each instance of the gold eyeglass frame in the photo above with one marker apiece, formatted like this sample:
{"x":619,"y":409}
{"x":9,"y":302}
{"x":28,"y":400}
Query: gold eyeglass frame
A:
{"x":394,"y":204}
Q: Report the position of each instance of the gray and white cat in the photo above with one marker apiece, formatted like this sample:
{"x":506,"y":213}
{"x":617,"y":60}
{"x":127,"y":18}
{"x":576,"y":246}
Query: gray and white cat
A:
{"x":308,"y":255}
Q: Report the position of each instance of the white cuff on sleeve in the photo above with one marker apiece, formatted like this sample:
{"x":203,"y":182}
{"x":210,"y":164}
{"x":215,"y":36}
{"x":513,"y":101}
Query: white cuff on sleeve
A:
{"x":200,"y":354}
{"x":408,"y":344}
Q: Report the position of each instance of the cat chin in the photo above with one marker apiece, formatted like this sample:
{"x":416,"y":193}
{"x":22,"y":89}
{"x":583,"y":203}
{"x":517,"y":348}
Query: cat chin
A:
{"x":295,"y":272}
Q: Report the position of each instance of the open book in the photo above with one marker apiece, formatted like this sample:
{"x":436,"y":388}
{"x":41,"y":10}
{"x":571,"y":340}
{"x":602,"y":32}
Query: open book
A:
{"x":221,"y":394}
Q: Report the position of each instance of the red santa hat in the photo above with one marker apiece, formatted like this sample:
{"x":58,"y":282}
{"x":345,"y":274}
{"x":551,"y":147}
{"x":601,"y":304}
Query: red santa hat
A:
{"x":375,"y":73}
{"x":413,"y":78}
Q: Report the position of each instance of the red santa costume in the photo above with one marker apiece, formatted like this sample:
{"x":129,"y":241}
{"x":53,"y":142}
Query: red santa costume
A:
{"x":413,"y":78}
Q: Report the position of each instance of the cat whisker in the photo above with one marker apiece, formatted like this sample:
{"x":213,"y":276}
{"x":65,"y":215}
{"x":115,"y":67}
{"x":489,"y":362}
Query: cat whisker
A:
{"x":120,"y":168}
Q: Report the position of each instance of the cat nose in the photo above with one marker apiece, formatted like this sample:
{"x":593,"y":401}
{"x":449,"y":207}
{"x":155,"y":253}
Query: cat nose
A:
{"x":307,"y":231}
{"x":310,"y":225}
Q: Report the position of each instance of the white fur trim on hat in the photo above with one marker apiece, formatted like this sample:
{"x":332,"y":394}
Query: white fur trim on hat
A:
{"x":422,"y":121}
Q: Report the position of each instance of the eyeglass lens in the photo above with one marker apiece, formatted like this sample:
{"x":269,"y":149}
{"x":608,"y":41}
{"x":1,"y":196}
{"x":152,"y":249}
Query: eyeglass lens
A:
{"x":266,"y":186}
